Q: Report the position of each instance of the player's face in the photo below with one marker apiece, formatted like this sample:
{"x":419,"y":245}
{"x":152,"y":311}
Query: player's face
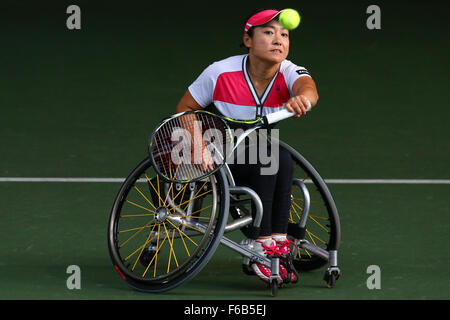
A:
{"x":269,"y":42}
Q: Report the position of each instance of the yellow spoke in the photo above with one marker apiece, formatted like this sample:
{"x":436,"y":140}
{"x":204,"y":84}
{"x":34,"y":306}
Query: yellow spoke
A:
{"x":301,"y":209}
{"x":157,"y":191}
{"x":147,"y":225}
{"x":195,"y":197}
{"x":320,"y":225}
{"x":181,"y":232}
{"x":155,"y":256}
{"x":310,"y":237}
{"x":313,"y":235}
{"x":181,"y":190}
{"x":201,"y":188}
{"x":300,"y":256}
{"x":206,"y":181}
{"x":198,"y":211}
{"x":184,"y":243}
{"x":296,"y":213}
{"x":291,"y":220}
{"x":143,"y":196}
{"x":134,"y":229}
{"x":167,"y":195}
{"x":139,"y":206}
{"x":186,"y":225}
{"x":307,"y":252}
{"x":171,"y":249}
{"x":156,"y":252}
{"x":174,"y":256}
{"x":320,"y":217}
{"x":136,"y":215}
{"x":157,"y":247}
{"x":142,"y":249}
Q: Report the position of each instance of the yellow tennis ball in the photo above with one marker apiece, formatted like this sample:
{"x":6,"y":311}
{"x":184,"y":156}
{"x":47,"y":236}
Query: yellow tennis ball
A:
{"x":289,"y":19}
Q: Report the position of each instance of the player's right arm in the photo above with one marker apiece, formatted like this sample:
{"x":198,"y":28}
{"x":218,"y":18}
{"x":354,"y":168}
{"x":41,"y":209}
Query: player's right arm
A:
{"x":202,"y":89}
{"x":187,"y":103}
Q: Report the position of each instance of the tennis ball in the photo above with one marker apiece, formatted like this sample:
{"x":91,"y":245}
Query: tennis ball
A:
{"x":289,"y":19}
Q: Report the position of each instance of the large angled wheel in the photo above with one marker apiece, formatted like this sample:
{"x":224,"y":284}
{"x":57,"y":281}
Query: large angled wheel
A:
{"x":309,"y":191}
{"x":161,"y":234}
{"x":322,"y":229}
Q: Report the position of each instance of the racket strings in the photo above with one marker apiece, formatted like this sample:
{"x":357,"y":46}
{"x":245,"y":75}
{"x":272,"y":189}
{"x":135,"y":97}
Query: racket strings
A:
{"x":182,"y":146}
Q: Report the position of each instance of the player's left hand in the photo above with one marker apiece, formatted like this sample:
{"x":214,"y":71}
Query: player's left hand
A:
{"x":298,"y":104}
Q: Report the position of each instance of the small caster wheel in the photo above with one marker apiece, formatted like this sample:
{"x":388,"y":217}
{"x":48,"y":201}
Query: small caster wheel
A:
{"x":331,"y":281}
{"x":274,"y":287}
{"x":331,"y":275}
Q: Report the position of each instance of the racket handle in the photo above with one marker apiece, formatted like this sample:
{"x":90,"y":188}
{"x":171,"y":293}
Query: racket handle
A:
{"x":278,"y":116}
{"x":281,"y":115}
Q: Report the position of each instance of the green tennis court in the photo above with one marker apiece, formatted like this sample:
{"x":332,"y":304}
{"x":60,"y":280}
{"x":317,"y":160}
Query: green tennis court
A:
{"x":82,"y":104}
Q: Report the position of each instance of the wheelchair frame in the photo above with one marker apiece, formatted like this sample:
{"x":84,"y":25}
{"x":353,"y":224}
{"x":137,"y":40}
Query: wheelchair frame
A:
{"x":244,"y":248}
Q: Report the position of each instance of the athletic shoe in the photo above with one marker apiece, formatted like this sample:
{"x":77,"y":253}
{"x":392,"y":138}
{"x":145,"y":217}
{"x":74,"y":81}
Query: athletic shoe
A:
{"x":284,"y":249}
{"x":269,"y":248}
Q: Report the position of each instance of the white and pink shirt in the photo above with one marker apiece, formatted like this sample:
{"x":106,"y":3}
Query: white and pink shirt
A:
{"x":227,"y":85}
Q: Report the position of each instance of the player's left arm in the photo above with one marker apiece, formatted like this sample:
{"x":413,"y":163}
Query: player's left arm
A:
{"x":304,"y":94}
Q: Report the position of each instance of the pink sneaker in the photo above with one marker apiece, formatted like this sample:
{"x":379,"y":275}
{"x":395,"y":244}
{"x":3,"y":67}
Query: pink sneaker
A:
{"x":284,"y":249}
{"x":267,"y":247}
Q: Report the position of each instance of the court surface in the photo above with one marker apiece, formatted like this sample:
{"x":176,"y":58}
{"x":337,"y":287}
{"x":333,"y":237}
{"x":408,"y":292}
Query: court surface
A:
{"x":82,"y":103}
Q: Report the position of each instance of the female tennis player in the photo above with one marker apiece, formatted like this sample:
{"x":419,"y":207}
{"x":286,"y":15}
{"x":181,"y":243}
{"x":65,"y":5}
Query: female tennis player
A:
{"x":249,"y":86}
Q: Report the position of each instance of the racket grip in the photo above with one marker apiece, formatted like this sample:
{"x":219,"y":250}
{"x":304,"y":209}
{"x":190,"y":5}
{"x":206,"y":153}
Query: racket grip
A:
{"x":281,"y":115}
{"x":278,"y":116}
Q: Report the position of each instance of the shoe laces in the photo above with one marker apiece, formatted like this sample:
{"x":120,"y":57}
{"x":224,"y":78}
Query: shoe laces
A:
{"x":271,"y":249}
{"x":284,"y":246}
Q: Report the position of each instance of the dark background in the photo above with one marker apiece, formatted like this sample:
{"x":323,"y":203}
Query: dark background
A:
{"x":82,"y":103}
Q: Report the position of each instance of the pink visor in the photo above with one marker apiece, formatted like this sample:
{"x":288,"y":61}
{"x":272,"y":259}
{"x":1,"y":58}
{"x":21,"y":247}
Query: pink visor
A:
{"x":261,"y":18}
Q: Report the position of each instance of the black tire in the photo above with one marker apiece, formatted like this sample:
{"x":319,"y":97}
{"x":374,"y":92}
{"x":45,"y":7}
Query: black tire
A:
{"x":139,"y":196}
{"x":323,"y":225}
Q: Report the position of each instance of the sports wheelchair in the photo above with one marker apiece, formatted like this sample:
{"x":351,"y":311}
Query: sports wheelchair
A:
{"x":161,"y":234}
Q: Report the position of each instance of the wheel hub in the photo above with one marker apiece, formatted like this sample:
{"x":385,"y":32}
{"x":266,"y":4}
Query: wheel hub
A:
{"x":161,"y":214}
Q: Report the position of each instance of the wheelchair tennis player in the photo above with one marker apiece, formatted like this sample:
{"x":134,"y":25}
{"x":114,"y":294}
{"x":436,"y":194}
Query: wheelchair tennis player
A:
{"x":249,"y":86}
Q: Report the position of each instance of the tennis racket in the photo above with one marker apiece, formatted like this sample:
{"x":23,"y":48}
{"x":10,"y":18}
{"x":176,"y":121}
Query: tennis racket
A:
{"x":193,"y":145}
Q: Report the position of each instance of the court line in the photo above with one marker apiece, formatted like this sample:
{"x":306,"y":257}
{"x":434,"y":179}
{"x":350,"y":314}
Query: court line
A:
{"x":329,"y":181}
{"x":25,"y":179}
{"x":388,"y":181}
